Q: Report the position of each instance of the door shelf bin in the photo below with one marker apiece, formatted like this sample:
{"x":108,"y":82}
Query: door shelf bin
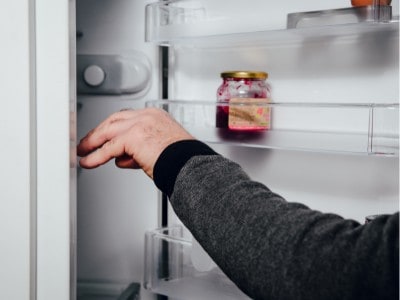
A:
{"x":212,"y":23}
{"x":170,"y":268}
{"x":371,"y":129}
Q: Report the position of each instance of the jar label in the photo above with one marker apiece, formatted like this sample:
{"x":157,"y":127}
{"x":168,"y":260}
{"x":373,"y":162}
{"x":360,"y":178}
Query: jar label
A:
{"x":249,"y":116}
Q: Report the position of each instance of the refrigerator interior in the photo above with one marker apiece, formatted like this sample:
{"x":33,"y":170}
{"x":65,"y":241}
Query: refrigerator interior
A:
{"x":115,"y":207}
{"x":334,"y":139}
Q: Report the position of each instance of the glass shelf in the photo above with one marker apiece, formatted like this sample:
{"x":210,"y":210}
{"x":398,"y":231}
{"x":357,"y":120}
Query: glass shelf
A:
{"x":204,"y":23}
{"x":172,"y":269}
{"x":357,"y":128}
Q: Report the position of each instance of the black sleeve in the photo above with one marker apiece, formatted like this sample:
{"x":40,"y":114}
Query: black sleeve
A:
{"x":274,"y":249}
{"x":173,"y":158}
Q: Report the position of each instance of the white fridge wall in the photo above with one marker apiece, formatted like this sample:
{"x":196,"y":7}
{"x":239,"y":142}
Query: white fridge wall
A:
{"x":115,"y":207}
{"x":354,"y":69}
{"x":353,"y":186}
{"x":349,"y":185}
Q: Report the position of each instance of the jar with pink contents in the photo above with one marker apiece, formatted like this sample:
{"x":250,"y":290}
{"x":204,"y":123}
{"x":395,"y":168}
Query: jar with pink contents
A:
{"x":245,"y":91}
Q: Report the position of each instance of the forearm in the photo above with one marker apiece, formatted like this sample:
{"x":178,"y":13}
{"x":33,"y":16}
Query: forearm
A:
{"x":273,"y":249}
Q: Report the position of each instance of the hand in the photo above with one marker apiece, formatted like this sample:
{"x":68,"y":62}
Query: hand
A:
{"x":135,"y":138}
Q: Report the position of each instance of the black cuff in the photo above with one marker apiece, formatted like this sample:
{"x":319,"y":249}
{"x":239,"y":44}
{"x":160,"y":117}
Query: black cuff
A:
{"x":173,"y":158}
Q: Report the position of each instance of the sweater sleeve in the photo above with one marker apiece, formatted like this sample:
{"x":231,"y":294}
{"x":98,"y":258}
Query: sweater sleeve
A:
{"x":273,"y":249}
{"x":173,"y":158}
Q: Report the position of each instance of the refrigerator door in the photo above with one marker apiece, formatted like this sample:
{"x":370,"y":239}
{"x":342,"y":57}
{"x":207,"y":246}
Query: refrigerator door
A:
{"x":18,"y":153}
{"x":37,"y":192}
{"x":56,"y":154}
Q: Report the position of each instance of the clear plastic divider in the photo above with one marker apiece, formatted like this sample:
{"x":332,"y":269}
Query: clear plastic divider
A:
{"x":371,"y":129}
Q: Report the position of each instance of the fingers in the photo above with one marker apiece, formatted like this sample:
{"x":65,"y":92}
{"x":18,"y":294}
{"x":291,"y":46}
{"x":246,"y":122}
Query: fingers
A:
{"x":109,"y":150}
{"x":134,"y":138}
{"x":114,"y":125}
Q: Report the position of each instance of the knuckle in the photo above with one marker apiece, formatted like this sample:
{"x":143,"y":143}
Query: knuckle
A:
{"x":109,"y":144}
{"x":114,"y":117}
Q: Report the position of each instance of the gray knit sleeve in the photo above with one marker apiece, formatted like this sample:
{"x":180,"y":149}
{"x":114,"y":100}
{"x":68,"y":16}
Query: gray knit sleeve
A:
{"x":273,"y":249}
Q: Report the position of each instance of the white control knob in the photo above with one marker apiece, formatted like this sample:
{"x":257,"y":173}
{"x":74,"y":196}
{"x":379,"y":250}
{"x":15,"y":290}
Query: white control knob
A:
{"x":113,"y":74}
{"x":94,"y":75}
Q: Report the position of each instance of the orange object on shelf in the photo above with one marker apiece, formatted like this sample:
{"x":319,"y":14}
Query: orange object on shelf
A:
{"x":370,"y":2}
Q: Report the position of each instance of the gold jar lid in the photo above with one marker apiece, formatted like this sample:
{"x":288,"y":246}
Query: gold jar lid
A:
{"x":245,"y":74}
